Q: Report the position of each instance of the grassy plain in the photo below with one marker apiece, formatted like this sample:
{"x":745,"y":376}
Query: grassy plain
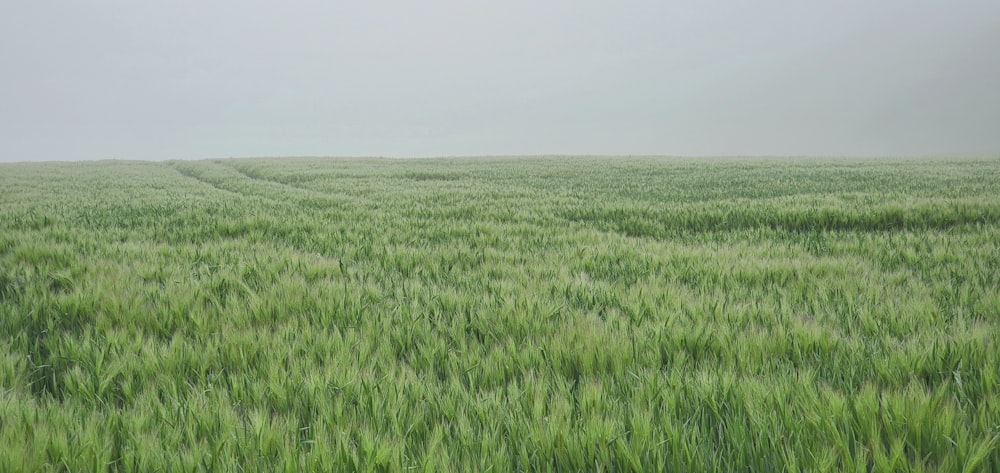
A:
{"x":500,"y":314}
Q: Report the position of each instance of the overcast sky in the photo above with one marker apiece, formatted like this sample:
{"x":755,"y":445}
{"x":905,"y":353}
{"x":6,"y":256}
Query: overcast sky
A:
{"x":193,"y":79}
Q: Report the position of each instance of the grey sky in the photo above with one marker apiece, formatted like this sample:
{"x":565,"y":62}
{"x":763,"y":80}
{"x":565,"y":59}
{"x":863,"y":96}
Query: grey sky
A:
{"x":194,"y":79}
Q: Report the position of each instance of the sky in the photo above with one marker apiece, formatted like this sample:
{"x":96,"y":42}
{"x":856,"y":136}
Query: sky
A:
{"x":185,"y":79}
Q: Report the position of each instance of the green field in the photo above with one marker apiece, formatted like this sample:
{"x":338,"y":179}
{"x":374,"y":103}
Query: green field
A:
{"x":500,"y":314}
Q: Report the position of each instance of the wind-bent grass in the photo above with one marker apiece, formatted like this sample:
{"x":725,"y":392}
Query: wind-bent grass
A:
{"x":500,"y":314}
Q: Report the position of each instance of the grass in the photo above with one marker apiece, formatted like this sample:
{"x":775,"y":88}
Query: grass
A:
{"x":502,"y":314}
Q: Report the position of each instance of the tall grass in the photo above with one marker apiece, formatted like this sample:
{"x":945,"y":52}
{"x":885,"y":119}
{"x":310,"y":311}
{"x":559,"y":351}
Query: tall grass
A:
{"x":500,"y":314}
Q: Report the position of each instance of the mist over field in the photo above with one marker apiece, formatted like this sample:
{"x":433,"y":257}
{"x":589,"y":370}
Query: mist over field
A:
{"x":646,"y":237}
{"x":186,"y":79}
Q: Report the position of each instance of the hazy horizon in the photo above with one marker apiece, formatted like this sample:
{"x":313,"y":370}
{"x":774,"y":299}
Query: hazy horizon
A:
{"x":186,"y":80}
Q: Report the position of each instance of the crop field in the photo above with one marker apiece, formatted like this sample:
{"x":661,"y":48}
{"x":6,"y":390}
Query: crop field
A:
{"x":501,"y":314}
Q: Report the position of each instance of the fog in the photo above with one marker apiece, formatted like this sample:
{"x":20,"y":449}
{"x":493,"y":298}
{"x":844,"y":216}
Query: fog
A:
{"x":186,"y":79}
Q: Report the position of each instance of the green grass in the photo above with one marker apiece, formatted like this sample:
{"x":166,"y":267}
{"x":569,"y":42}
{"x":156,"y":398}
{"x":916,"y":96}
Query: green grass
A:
{"x":546,"y":314}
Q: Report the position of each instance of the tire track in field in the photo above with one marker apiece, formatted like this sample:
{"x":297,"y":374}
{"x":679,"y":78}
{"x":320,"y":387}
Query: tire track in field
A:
{"x":291,"y":191}
{"x":187,"y":172}
{"x":283,"y":204}
{"x":254,"y":176}
{"x":251,"y":186}
{"x":306,"y":199}
{"x":257,"y":177}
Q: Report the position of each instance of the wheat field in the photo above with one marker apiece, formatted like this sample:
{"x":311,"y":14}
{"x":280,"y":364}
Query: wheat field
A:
{"x":501,"y":314}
